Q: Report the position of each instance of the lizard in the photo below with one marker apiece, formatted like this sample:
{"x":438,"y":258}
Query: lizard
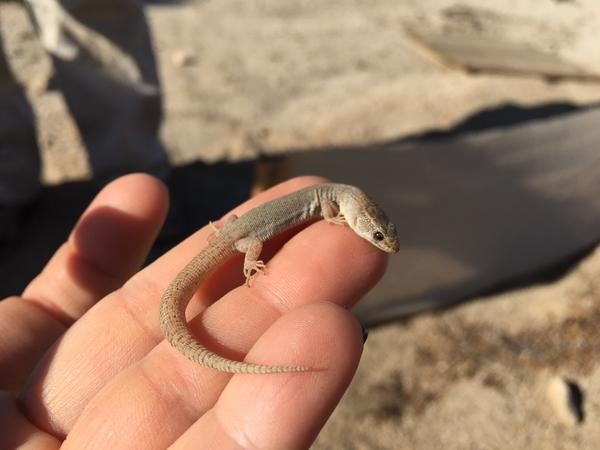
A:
{"x":336,"y":203}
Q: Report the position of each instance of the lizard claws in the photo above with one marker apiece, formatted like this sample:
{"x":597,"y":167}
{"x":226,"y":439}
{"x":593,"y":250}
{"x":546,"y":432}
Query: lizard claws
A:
{"x":338,"y":219}
{"x":251,"y":270}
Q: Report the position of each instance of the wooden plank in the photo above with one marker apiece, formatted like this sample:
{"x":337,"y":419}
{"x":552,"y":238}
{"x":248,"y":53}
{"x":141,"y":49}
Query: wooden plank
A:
{"x":475,"y":211}
{"x":496,"y":55}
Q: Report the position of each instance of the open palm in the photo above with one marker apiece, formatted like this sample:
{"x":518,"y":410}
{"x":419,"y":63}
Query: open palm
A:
{"x":83,"y":363}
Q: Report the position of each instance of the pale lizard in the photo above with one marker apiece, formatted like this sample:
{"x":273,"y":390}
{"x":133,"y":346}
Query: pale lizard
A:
{"x":336,"y":203}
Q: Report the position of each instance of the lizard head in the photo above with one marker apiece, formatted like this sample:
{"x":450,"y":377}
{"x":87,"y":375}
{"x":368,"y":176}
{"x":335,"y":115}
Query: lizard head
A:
{"x":367,"y":220}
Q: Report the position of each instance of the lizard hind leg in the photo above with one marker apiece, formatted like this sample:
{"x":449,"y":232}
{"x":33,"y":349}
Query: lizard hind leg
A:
{"x":215,"y":229}
{"x":251,"y":247}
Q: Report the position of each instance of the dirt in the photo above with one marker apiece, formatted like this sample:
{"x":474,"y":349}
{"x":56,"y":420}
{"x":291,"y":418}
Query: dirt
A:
{"x":460,"y":379}
{"x":242,"y":80}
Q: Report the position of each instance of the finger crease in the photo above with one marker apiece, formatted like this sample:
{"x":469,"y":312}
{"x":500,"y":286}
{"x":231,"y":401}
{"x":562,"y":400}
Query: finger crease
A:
{"x":50,"y":310}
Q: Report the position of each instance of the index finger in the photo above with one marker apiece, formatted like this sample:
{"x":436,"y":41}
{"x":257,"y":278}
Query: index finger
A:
{"x":108,"y":244}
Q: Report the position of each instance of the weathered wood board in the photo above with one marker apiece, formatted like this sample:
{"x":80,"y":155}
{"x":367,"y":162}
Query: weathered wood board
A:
{"x":476,"y":210}
{"x":496,"y":55}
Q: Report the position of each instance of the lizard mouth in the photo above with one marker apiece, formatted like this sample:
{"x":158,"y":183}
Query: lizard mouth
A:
{"x":392,"y":246}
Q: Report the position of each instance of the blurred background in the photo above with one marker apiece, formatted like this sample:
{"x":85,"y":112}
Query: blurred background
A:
{"x":473,"y":123}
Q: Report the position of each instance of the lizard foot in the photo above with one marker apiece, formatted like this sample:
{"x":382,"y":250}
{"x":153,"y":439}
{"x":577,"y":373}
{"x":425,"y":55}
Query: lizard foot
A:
{"x":253,"y":268}
{"x":338,"y":219}
{"x":215,"y":230}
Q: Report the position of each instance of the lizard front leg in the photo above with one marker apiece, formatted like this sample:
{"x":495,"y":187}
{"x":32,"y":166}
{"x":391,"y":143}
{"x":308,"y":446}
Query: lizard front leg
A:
{"x":251,"y":248}
{"x":331,"y":213}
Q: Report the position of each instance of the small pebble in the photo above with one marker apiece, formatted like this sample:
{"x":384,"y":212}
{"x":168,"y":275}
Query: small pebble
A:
{"x":183,"y":58}
{"x":566,"y":400}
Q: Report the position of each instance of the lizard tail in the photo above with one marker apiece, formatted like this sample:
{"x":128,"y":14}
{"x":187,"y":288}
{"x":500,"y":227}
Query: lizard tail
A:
{"x":180,"y":337}
{"x":176,"y":331}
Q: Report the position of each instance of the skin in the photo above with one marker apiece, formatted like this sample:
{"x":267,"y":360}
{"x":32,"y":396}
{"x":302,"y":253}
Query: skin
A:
{"x":84,"y":365}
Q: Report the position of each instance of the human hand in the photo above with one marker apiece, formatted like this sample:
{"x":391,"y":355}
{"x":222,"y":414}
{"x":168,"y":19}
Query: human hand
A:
{"x":105,"y":378}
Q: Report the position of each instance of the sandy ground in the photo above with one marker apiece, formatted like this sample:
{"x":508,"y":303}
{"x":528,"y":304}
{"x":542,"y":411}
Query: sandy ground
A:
{"x":483,"y":375}
{"x":243,"y":79}
{"x":249,"y":78}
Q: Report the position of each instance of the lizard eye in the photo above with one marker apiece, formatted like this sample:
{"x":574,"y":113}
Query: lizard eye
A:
{"x":378,"y":236}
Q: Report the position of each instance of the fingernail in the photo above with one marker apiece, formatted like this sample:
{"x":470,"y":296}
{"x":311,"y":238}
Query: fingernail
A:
{"x":365,"y":334}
